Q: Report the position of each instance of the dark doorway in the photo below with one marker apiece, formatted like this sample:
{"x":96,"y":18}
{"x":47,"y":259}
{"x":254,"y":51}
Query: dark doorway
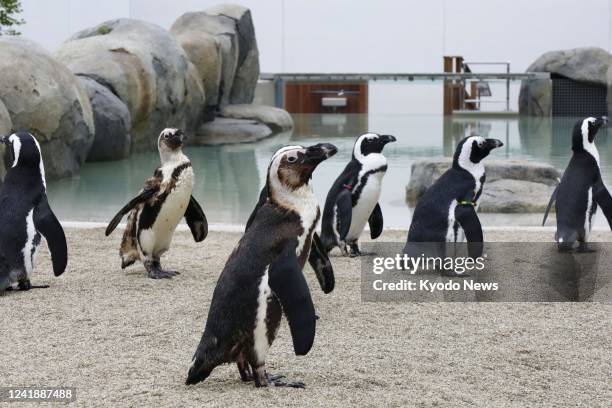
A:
{"x":311,"y":97}
{"x":573,"y":98}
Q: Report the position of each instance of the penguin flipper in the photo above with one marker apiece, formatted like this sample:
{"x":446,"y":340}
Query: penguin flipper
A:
{"x":321,"y":264}
{"x":196,"y":219}
{"x":376,"y":222}
{"x":344,"y":213}
{"x":602,"y":197}
{"x":468,"y":219}
{"x":289,"y":285}
{"x":263,"y":197}
{"x":140,"y":198}
{"x":47,"y":224}
{"x":553,"y":197}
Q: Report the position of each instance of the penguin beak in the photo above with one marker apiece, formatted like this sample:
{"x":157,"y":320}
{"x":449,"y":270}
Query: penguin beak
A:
{"x":493,"y":143}
{"x":387,"y":139}
{"x":595,"y":126}
{"x":319,"y":152}
{"x":176,"y":140}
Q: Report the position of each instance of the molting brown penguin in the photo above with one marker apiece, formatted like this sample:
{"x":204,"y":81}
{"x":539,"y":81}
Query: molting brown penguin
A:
{"x":157,"y":210}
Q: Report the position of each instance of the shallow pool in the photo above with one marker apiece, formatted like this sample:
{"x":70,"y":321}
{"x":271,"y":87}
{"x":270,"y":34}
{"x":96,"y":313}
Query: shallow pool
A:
{"x":228,"y":178}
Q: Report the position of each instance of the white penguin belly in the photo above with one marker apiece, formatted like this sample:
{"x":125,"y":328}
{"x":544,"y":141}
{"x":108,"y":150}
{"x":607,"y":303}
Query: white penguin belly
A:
{"x":363,"y":209}
{"x":158,"y":238}
{"x":451,"y":235}
{"x":29,"y":250}
{"x":589,"y":214}
{"x":260,"y":332}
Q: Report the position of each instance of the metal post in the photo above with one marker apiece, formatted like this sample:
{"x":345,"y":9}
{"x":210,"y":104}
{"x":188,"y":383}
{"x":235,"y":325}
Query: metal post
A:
{"x":279,"y":92}
{"x":508,"y":88}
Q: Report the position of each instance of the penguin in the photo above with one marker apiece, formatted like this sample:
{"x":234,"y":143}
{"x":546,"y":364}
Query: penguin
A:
{"x":352,"y":200}
{"x":309,"y":244}
{"x":446,"y":213}
{"x":263,"y":277}
{"x":580,"y":190}
{"x":26,"y":216}
{"x":156,"y":211}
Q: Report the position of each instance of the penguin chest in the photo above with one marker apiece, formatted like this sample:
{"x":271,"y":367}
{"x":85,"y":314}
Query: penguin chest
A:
{"x":175,"y":205}
{"x":31,"y":243}
{"x":308,"y":210}
{"x":453,"y":229}
{"x":262,"y":338}
{"x":366,"y":201}
{"x":171,"y":211}
{"x":590,"y":211}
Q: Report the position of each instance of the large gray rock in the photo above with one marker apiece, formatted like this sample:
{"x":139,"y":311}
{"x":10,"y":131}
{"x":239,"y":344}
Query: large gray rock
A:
{"x":221,"y":43}
{"x":112,"y":122}
{"x":194,"y":26}
{"x":514,"y":196}
{"x":279,"y":120}
{"x":586,"y":64}
{"x":44,"y":98}
{"x":511,"y":185}
{"x":203,"y":51}
{"x":247,"y":71}
{"x":144,"y":66}
{"x":5,"y":128}
{"x":230,"y":131}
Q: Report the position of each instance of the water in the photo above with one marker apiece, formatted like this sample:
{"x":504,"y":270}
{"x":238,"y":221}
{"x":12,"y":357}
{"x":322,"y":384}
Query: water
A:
{"x":229,"y":178}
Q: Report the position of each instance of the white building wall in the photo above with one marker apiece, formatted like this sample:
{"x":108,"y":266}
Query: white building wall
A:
{"x":366,"y":36}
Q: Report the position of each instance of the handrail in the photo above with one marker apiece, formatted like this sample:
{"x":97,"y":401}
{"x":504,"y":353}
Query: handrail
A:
{"x":403,"y":76}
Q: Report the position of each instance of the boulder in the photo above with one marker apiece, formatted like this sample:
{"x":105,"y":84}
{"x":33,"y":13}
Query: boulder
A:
{"x":111,"y":120}
{"x":196,"y":25}
{"x":203,"y":50}
{"x":514,"y":196}
{"x":247,"y":70}
{"x":586,"y":64}
{"x":230,"y":131}
{"x":279,"y":120}
{"x":44,"y":98}
{"x":195,"y":100}
{"x":511,"y":185}
{"x":5,"y":128}
{"x":142,"y":65}
{"x":221,"y":43}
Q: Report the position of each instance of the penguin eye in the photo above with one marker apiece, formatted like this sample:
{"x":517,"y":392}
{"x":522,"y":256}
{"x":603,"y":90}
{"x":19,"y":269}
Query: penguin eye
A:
{"x":292,"y":159}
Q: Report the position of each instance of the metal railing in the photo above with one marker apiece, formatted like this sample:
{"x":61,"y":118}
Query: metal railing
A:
{"x":478,"y":99}
{"x":280,"y":77}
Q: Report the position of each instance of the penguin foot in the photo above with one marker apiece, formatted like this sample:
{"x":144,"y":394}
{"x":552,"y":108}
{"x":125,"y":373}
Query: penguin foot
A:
{"x":354,"y":251}
{"x":159,"y":274}
{"x":245,"y":371}
{"x":583,"y":248}
{"x":27,"y":285}
{"x":155,"y":271}
{"x":279,"y":380}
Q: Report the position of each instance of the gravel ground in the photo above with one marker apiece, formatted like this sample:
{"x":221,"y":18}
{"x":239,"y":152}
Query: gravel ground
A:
{"x":125,"y":340}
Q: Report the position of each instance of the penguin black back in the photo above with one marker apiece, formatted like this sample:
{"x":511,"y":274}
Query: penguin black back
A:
{"x":263,"y":276}
{"x":450,"y":204}
{"x":25,"y":214}
{"x":581,"y":189}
